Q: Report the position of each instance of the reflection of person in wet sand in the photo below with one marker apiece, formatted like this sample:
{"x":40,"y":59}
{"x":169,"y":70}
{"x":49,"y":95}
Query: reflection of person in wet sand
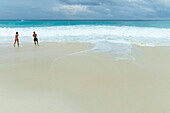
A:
{"x":35,"y":38}
{"x":16,"y":39}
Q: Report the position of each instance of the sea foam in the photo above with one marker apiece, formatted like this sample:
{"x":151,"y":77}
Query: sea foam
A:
{"x":92,"y":34}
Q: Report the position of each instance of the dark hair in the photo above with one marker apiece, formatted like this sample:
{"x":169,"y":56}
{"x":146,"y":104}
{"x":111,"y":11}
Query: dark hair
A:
{"x":16,"y":32}
{"x":34,"y":32}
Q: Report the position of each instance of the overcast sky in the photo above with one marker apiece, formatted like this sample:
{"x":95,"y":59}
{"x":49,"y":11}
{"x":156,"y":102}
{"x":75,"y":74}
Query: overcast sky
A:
{"x":85,"y":9}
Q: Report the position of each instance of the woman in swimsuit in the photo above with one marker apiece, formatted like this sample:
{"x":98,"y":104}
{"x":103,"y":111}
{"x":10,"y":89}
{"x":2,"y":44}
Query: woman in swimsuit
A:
{"x":16,"y":39}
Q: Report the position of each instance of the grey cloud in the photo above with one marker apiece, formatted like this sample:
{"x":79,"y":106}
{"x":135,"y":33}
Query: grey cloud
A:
{"x":82,"y":2}
{"x":96,"y":9}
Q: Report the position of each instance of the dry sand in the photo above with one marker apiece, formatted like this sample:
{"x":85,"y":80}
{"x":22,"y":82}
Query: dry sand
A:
{"x":68,"y":78}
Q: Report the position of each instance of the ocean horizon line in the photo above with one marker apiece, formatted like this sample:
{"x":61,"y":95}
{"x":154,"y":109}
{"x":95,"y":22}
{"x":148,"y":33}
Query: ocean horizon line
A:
{"x":84,"y":20}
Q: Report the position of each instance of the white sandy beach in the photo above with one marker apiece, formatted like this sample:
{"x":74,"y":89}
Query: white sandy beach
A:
{"x":68,"y":78}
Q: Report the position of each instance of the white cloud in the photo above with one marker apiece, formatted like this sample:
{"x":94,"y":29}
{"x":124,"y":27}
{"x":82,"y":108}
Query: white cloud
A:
{"x":165,"y":2}
{"x":71,"y":9}
{"x":85,"y":9}
{"x":133,"y":0}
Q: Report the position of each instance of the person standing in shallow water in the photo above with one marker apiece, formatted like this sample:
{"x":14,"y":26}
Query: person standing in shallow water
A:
{"x":16,"y":39}
{"x":35,"y":38}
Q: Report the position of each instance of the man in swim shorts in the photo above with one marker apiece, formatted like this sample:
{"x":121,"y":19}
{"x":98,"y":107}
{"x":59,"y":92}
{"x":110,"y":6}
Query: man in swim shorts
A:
{"x":35,"y":38}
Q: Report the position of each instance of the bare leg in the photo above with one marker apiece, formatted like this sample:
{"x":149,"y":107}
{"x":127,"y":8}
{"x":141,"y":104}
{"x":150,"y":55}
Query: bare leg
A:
{"x":37,"y":43}
{"x":14,"y":43}
{"x":18,"y":43}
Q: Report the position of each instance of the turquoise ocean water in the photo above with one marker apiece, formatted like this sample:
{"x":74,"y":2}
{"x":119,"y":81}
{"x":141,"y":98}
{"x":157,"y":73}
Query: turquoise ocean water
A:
{"x":153,"y":33}
{"x":103,"y":34}
{"x":29,"y":23}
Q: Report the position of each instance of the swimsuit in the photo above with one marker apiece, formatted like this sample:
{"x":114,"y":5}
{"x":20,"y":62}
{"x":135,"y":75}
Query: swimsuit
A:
{"x":16,"y":38}
{"x":35,"y":39}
